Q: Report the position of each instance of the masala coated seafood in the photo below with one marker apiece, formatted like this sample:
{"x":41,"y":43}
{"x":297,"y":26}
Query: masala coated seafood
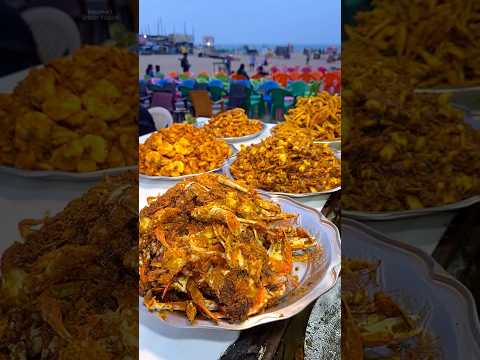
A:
{"x":212,"y":247}
{"x":182,"y":149}
{"x":233,"y":123}
{"x":76,"y":114}
{"x":318,"y":116}
{"x":373,"y":320}
{"x":289,"y":164}
{"x":69,"y":289}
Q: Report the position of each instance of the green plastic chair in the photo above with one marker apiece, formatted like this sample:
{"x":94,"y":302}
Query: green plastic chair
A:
{"x":216,"y":93}
{"x":314,"y":88}
{"x":298,"y":88}
{"x":183,"y":77}
{"x":185,"y":91}
{"x":278,"y":101}
{"x":202,"y":78}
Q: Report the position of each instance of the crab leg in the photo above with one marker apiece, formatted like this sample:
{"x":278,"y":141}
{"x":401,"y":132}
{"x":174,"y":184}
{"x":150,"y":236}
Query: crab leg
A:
{"x":199,"y":300}
{"x":232,"y":185}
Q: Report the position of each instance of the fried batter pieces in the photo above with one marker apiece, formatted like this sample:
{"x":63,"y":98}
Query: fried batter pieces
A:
{"x":290,"y":164}
{"x":211,"y":247}
{"x":76,"y":114}
{"x":233,"y":123}
{"x":182,"y":150}
{"x":318,"y":116}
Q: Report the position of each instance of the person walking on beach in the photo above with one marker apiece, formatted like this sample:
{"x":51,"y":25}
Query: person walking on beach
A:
{"x":184,"y":63}
{"x":253,"y":60}
{"x":307,"y":54}
{"x":228,"y":64}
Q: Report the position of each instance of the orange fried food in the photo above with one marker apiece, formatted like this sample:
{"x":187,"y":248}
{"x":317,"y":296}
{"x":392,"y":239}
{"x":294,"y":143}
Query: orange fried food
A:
{"x":211,"y":247}
{"x":233,"y":123}
{"x":182,"y":150}
{"x":290,"y":164}
{"x":373,"y":319}
{"x":77,"y":113}
{"x":319,"y":117}
{"x":70,"y":287}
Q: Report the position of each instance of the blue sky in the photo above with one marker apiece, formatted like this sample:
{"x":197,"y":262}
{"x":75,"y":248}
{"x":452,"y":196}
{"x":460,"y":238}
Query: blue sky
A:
{"x":248,"y":21}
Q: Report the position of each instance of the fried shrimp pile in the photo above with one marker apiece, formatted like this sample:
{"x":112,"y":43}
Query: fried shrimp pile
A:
{"x":210,"y":247}
{"x":373,"y":320}
{"x":76,"y":114}
{"x":291,"y":164}
{"x":69,"y":289}
{"x":182,"y":149}
{"x":317,"y":116}
{"x":437,"y":42}
{"x":233,"y":123}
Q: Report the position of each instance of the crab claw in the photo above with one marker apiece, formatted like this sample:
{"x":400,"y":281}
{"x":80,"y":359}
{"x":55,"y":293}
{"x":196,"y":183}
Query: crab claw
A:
{"x":232,"y":184}
{"x":215,"y":212}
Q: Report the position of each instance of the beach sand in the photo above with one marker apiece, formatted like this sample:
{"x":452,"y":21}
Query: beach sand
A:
{"x":170,"y":63}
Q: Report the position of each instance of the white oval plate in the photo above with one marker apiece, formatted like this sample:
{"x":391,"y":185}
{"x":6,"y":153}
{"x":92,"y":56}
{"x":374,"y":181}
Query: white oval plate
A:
{"x":391,"y":215}
{"x":317,"y":277}
{"x":229,"y":162}
{"x":232,"y":140}
{"x":143,"y":138}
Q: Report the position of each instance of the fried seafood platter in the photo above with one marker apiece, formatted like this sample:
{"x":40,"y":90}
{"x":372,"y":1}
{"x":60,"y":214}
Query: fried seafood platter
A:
{"x":374,"y":322}
{"x":77,"y":114}
{"x":182,"y":149}
{"x":219,"y":253}
{"x":288,"y":164}
{"x":233,"y":124}
{"x":69,"y":289}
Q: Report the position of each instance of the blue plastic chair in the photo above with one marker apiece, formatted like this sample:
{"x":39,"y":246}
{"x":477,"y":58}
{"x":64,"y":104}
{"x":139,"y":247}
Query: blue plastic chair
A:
{"x":265,"y":88}
{"x":245,"y":83}
{"x":215,"y":83}
{"x":189,"y":83}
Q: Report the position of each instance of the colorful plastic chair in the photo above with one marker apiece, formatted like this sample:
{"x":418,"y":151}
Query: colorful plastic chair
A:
{"x":278,"y":102}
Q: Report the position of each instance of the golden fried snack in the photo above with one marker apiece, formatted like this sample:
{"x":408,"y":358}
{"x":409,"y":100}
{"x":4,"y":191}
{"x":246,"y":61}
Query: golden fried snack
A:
{"x":233,"y":123}
{"x":76,"y":114}
{"x":319,"y":117}
{"x":182,"y":150}
{"x":373,"y":319}
{"x":404,"y":150}
{"x":435,"y":47}
{"x":290,"y":164}
{"x":212,"y":247}
{"x":70,"y":287}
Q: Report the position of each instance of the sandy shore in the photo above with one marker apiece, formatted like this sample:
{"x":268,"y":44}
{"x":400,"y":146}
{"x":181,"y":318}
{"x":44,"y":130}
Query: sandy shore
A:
{"x":170,"y":63}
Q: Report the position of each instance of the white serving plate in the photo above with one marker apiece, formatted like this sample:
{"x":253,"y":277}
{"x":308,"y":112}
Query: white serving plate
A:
{"x":143,"y":138}
{"x":229,"y":162}
{"x":413,"y":274}
{"x":65,"y":175}
{"x":391,"y":215}
{"x":318,"y":276}
{"x":233,"y":140}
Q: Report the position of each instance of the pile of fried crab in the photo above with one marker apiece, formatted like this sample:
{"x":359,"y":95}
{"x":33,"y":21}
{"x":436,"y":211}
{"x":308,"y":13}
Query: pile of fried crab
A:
{"x":212,"y":248}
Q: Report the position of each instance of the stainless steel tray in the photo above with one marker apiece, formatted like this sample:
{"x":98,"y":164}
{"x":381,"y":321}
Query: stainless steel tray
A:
{"x":178,"y":178}
{"x":453,"y":317}
{"x":391,"y":215}
{"x":229,"y":162}
{"x":317,"y":277}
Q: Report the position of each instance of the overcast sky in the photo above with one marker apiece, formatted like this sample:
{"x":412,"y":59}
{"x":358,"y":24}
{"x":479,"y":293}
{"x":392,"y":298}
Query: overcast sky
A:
{"x":247,"y":21}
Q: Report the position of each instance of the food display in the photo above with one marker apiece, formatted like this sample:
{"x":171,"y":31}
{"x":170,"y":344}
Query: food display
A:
{"x":405,"y":150}
{"x":211,"y":247}
{"x":75,"y":114}
{"x":69,"y":289}
{"x":318,"y":116}
{"x":233,"y":123}
{"x":374,"y":322}
{"x":433,"y":47}
{"x":182,"y":149}
{"x":288,"y":164}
